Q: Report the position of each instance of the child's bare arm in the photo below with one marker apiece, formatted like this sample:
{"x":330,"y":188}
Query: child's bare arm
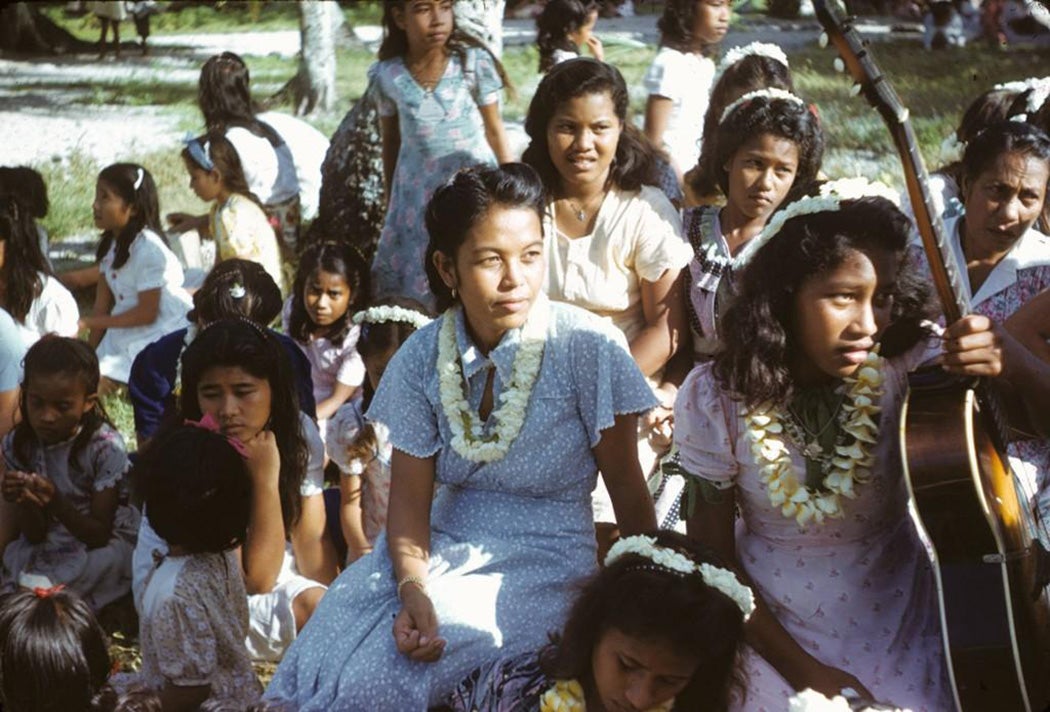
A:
{"x":495,"y":133}
{"x":142,"y":314}
{"x":350,"y":517}
{"x":103,"y":304}
{"x":94,"y":528}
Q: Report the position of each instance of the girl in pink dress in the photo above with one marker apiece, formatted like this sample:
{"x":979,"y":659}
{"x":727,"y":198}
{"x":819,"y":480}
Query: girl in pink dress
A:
{"x":794,"y":424}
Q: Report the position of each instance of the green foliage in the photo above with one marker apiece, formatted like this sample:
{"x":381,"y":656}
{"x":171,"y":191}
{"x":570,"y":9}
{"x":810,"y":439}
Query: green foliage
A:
{"x":117,"y":405}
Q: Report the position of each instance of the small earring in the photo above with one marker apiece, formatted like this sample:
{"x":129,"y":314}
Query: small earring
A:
{"x":453,"y":294}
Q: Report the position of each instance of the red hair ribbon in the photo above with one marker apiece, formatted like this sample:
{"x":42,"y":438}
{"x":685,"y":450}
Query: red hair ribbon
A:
{"x":208,"y":422}
{"x":48,"y":592}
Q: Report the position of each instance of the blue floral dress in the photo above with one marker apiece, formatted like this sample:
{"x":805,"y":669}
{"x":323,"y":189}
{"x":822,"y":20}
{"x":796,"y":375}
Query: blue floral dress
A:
{"x":441,"y":132}
{"x":510,"y":539}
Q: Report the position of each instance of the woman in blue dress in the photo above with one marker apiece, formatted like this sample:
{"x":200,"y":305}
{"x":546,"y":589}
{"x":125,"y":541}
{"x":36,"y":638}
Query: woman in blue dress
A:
{"x":489,"y":565}
{"x":437,"y":91}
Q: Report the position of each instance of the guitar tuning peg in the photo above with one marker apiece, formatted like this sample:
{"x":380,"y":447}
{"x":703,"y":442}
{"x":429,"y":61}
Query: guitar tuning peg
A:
{"x":823,"y":40}
{"x":839,"y":65}
{"x":855,"y":89}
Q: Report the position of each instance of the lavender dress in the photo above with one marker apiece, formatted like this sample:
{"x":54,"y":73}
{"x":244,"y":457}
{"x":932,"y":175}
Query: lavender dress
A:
{"x":857,"y":593}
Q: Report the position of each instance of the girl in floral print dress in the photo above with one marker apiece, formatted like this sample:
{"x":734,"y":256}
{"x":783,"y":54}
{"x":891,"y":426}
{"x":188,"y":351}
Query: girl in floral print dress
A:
{"x":794,"y":425}
{"x":437,"y":91}
{"x":197,"y":485}
{"x":64,"y":470}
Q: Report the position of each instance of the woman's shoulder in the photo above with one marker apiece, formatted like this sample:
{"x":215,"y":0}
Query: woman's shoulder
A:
{"x":575,"y":327}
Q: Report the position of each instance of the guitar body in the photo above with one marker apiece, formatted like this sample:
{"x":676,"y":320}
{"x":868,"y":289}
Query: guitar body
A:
{"x":987,"y":556}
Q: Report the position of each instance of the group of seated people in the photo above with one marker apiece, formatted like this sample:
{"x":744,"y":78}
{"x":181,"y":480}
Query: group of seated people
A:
{"x":546,"y":367}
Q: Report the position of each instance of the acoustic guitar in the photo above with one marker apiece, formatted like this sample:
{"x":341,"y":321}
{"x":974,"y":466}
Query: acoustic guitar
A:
{"x":989,"y":563}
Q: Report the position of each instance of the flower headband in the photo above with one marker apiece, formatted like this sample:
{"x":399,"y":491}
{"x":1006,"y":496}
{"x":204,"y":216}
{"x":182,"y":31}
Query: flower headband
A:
{"x":770,"y":93}
{"x":720,"y":579}
{"x":832,"y":195}
{"x":390,"y":313}
{"x":762,"y":49}
{"x":199,"y":153}
{"x":208,"y":422}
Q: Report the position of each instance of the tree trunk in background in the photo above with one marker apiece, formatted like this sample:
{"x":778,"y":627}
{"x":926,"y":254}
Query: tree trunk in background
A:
{"x":482,"y":19}
{"x":24,"y":30}
{"x":314,"y":89}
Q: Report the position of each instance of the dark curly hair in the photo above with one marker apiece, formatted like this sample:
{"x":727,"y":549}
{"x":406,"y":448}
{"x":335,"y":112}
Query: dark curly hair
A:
{"x":242,"y":344}
{"x":676,"y":27}
{"x":52,"y":355}
{"x":464,"y":200}
{"x":649,"y":602}
{"x":779,"y":117}
{"x":634,"y":163}
{"x":750,"y":73}
{"x":197,"y":490}
{"x":555,"y":22}
{"x":135,"y":186}
{"x":757,"y":329}
{"x":395,"y":42}
{"x":338,"y":258}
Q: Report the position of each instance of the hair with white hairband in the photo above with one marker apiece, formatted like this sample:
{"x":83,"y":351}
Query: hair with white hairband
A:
{"x":830,"y":199}
{"x":771,"y":94}
{"x":722,"y":580}
{"x":140,"y":175}
{"x":760,"y":49}
{"x":391,"y":313}
{"x":200,"y":152}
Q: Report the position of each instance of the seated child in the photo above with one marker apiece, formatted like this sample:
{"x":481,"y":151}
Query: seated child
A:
{"x":54,"y":656}
{"x":197,"y":487}
{"x":65,"y":466}
{"x":657,"y":629}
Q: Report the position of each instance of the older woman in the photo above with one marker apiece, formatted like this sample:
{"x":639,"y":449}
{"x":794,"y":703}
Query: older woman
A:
{"x":1005,"y":172}
{"x":512,"y":404}
{"x":614,"y":243}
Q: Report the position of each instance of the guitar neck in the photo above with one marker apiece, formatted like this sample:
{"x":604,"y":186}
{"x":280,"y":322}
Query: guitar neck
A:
{"x":947,"y":276}
{"x":944,"y":268}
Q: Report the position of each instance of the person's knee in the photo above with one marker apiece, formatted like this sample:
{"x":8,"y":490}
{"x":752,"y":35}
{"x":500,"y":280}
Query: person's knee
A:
{"x":304,"y":604}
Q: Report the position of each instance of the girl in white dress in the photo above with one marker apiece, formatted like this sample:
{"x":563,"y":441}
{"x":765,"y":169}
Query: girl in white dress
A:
{"x":139,"y":297}
{"x":29,"y":292}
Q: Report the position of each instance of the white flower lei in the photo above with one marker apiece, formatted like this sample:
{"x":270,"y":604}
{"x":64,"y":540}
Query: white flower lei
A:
{"x":568,"y":696}
{"x":390,"y":313}
{"x":813,"y":701}
{"x":760,"y":94}
{"x":851,"y":465}
{"x":717,"y":578}
{"x":467,"y":433}
{"x":832,"y":194}
{"x":764,"y":49}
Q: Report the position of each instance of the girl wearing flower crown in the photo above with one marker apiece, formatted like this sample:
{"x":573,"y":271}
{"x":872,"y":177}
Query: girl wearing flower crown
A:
{"x":362,"y":448}
{"x":794,"y":425}
{"x":768,"y":144}
{"x":657,"y":629}
{"x":755,"y":66}
{"x":512,"y":404}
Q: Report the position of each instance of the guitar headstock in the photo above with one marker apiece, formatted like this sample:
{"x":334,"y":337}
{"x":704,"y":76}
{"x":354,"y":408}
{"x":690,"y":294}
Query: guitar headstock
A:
{"x":858,"y":61}
{"x":856,"y":58}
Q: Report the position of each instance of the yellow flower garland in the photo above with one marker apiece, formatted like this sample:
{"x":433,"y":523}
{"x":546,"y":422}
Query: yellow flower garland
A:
{"x":568,"y":696}
{"x":851,"y":465}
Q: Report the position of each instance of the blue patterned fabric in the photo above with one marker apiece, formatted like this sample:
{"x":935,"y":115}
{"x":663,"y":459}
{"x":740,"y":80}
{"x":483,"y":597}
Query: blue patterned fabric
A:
{"x":510,"y":539}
